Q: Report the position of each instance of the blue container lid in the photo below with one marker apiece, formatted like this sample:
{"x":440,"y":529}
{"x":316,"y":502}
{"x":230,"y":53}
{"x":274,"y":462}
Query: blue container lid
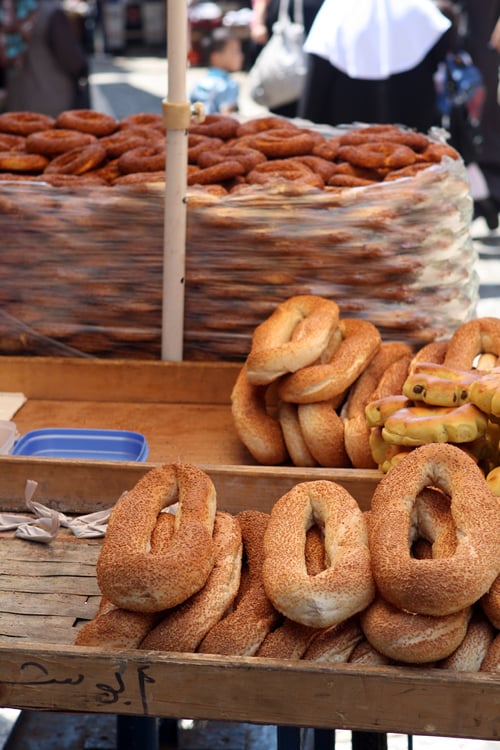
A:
{"x":98,"y":445}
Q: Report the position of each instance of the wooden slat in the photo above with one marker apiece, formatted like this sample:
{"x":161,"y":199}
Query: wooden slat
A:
{"x":50,"y":568}
{"x":68,"y":379}
{"x":61,"y":584}
{"x":38,"y":628}
{"x":72,"y":605}
{"x":265,"y":691}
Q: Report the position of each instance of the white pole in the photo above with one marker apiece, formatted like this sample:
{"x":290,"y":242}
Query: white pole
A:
{"x":174,"y":255}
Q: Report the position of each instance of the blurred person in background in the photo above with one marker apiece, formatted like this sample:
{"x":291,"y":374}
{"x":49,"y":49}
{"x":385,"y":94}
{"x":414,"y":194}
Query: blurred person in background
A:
{"x":46,"y":67}
{"x":482,"y":42}
{"x":375,"y":65}
{"x":217,"y":90}
{"x":265,"y":15}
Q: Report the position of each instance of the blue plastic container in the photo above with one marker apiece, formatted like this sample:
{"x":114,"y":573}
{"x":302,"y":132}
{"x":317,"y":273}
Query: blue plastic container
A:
{"x":98,"y":445}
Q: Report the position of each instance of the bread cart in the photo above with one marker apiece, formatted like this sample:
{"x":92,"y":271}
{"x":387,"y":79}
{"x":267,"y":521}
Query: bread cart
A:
{"x":176,"y":406}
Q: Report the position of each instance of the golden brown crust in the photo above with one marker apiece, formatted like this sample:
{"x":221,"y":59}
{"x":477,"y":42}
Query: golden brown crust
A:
{"x":256,"y":428}
{"x":321,"y":382}
{"x":356,"y":430}
{"x":418,"y":425}
{"x":127,"y":573}
{"x":491,"y":662}
{"x":447,"y":584}
{"x":87,"y":121}
{"x":295,"y":442}
{"x":472,"y":651}
{"x":478,"y":336}
{"x":490,"y":603}
{"x":242,"y":631}
{"x":335,"y":644}
{"x":345,"y":586}
{"x":412,"y":638}
{"x":292,"y":337}
{"x":184,"y":627}
{"x":438,"y":385}
{"x":323,"y":432}
{"x":115,"y":627}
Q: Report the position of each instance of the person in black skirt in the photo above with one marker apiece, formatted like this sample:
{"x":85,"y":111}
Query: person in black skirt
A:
{"x":387,"y":76}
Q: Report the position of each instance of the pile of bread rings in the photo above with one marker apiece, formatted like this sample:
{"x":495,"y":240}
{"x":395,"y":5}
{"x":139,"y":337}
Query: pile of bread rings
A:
{"x":224,"y":155}
{"x":413,"y":581}
{"x":317,"y":389}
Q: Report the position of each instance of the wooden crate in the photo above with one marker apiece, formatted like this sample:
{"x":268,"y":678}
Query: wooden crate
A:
{"x":48,"y":589}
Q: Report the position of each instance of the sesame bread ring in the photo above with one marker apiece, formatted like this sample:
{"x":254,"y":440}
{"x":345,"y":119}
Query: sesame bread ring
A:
{"x":24,"y":123}
{"x":54,"y":142}
{"x":295,"y":335}
{"x":253,"y":616}
{"x":185,"y":626}
{"x":118,"y":143}
{"x":259,"y":124}
{"x":490,"y":603}
{"x":288,"y":641}
{"x":258,"y":430}
{"x":116,"y":627}
{"x":321,"y":382}
{"x":345,"y":586}
{"x":10,"y":142}
{"x":356,"y":429}
{"x":274,"y":170}
{"x":377,"y":155}
{"x":364,"y":653}
{"x":291,"y":639}
{"x":78,"y":160}
{"x":472,"y":651}
{"x":248,"y":157}
{"x":491,"y":662}
{"x":127,"y":573}
{"x":20,"y":161}
{"x":148,"y":120}
{"x":323,"y":432}
{"x":434,"y":351}
{"x":87,"y":121}
{"x":484,"y":392}
{"x":417,"y":425}
{"x":296,"y":445}
{"x":143,"y":158}
{"x":224,"y":170}
{"x":335,"y":644}
{"x":478,"y":336}
{"x":447,"y":584}
{"x":413,"y":638}
{"x":438,"y":385}
{"x":282,"y":143}
{"x":216,"y":126}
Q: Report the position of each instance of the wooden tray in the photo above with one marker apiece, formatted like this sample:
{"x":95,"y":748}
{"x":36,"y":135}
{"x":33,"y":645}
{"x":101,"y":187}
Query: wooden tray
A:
{"x":46,"y":590}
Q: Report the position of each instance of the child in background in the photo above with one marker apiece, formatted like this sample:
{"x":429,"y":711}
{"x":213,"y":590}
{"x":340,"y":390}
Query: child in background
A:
{"x":217,"y":90}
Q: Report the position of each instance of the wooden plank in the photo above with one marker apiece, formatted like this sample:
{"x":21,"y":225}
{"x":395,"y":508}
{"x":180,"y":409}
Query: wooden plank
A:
{"x":250,"y":689}
{"x":49,"y":569}
{"x":48,"y":629}
{"x":73,"y":379}
{"x":72,"y":605}
{"x":62,"y":548}
{"x":82,"y":486}
{"x":57,"y":584}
